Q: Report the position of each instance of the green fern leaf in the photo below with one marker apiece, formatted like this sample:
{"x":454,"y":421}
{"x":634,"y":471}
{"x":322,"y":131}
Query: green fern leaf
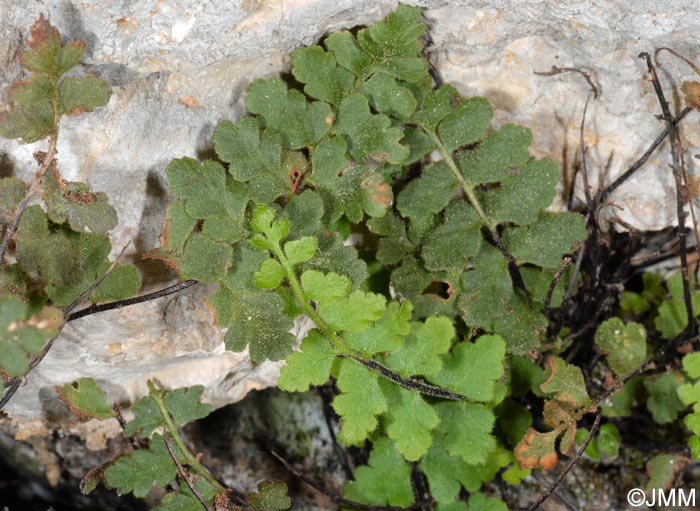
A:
{"x":141,"y":470}
{"x":360,"y":401}
{"x":311,"y":366}
{"x":385,"y":480}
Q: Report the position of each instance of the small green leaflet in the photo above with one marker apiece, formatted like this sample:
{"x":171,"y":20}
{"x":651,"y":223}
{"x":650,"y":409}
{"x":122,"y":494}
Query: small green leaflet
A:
{"x":271,"y":496}
{"x":390,"y":46}
{"x":455,"y":241}
{"x":353,"y":313}
{"x":514,"y":420}
{"x":369,"y":135}
{"x":385,"y":334}
{"x":254,"y":318}
{"x":394,"y":243}
{"x":466,"y":431}
{"x":324,"y":287}
{"x":185,"y":500}
{"x":662,"y":470}
{"x":204,"y":188}
{"x":311,"y":366}
{"x":385,"y":480}
{"x":78,"y":95}
{"x":545,"y":242}
{"x":663,"y":401}
{"x":347,"y":189}
{"x":447,"y":473}
{"x":410,"y":420}
{"x":85,"y":399}
{"x":323,"y":79}
{"x":23,"y":335}
{"x":426,"y":196}
{"x":672,"y":317}
{"x":255,"y":157}
{"x":335,"y":257}
{"x":205,"y":259}
{"x":49,"y":254}
{"x":606,"y":444}
{"x":691,"y":365}
{"x":624,"y":345}
{"x":270,"y":274}
{"x":304,"y":212}
{"x":288,"y":112}
{"x":522,"y":195}
{"x":141,"y":470}
{"x":500,"y":151}
{"x":480,"y":502}
{"x":474,"y":368}
{"x":420,"y":354}
{"x":360,"y":401}
{"x":182,"y":404}
{"x":12,"y":191}
{"x":40,"y":101}
{"x":301,"y":250}
{"x":122,"y":282}
{"x":465,"y":124}
{"x":389,"y":97}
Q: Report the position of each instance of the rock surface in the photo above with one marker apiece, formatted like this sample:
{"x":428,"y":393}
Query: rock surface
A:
{"x":179,"y":67}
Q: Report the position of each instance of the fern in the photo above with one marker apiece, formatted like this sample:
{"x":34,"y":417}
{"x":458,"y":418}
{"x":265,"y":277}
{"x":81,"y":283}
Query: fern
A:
{"x":60,"y":249}
{"x":165,"y":461}
{"x":414,"y":236}
{"x":307,"y":168}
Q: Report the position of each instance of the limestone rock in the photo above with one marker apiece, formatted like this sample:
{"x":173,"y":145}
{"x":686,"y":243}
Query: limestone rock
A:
{"x":179,"y":67}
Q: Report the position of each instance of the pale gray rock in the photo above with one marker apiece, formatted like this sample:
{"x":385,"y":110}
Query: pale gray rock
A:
{"x":179,"y":67}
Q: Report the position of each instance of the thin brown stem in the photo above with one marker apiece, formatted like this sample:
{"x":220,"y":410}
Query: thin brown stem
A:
{"x":552,"y":285}
{"x":582,"y":448}
{"x":183,"y":473}
{"x":559,"y":70}
{"x":33,"y":188}
{"x":677,"y":55}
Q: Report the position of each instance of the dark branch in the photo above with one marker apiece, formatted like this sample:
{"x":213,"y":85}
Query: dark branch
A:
{"x":14,"y":384}
{"x":10,"y":389}
{"x":326,"y":392}
{"x":513,"y":269}
{"x":681,"y":193}
{"x":335,"y":496}
{"x":409,"y":383}
{"x":94,"y":309}
{"x":544,"y":496}
{"x":584,"y":166}
{"x":641,"y":161}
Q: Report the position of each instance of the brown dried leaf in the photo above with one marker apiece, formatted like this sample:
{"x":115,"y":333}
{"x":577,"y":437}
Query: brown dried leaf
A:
{"x":43,"y":34}
{"x":692,"y":94}
{"x":537,"y":450}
